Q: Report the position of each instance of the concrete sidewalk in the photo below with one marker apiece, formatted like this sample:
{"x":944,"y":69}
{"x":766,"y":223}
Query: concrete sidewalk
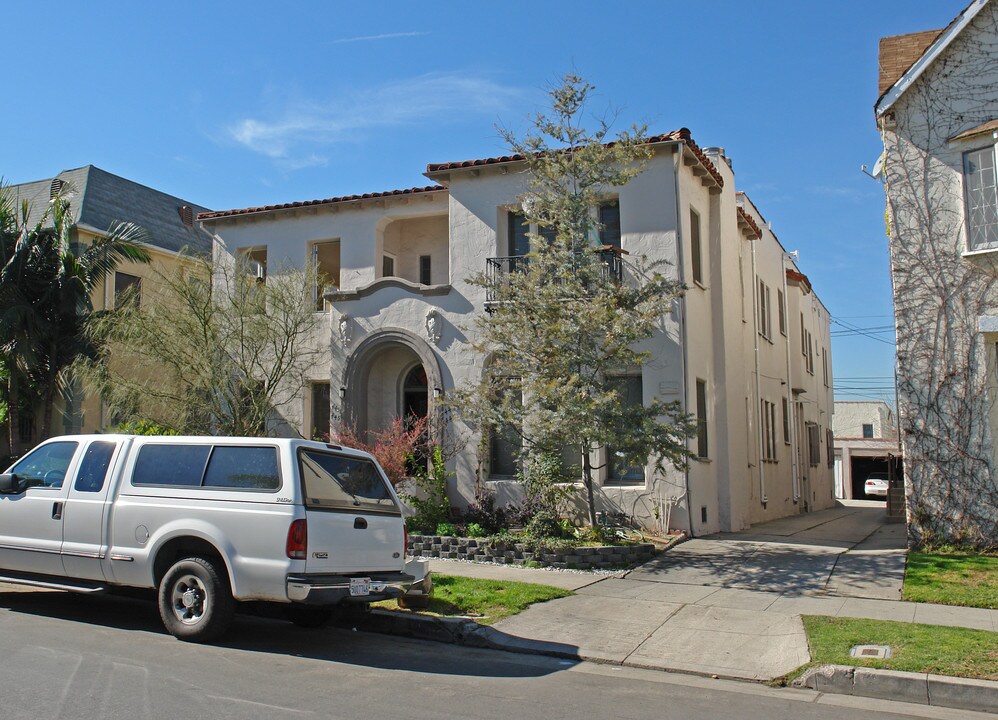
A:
{"x":729,"y":605}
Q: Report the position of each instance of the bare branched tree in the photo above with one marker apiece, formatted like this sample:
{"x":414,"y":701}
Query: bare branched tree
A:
{"x":218,"y":352}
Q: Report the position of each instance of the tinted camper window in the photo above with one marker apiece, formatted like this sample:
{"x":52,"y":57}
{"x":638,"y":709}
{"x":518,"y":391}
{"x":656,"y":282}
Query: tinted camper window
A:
{"x":343,"y":483}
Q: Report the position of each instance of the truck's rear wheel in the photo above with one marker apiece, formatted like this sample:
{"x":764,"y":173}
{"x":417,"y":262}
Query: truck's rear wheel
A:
{"x":195,"y":600}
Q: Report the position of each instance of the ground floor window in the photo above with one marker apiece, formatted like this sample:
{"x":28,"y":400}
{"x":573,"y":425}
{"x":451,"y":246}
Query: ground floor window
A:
{"x":320,"y":410}
{"x":505,"y":441}
{"x":618,"y":469}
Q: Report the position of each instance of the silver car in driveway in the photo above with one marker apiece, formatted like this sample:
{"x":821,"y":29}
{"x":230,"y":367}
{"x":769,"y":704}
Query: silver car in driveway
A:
{"x":876,"y":485}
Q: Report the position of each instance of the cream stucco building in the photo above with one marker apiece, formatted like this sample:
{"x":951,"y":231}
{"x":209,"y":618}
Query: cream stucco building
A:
{"x":746,"y":350}
{"x":866,"y":442}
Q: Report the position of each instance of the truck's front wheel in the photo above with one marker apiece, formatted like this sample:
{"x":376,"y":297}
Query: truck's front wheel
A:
{"x":195,"y":601}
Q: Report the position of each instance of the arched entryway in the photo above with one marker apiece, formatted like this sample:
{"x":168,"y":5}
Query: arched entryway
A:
{"x":391,"y":374}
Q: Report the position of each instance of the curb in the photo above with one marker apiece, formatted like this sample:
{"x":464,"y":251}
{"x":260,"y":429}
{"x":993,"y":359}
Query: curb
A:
{"x":455,"y":631}
{"x":921,"y":688}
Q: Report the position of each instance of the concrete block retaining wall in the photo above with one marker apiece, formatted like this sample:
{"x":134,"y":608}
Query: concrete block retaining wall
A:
{"x":480,"y":550}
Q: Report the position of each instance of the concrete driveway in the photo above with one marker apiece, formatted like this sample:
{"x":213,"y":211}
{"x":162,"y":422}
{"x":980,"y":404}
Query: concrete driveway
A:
{"x":849,"y":550}
{"x":730,"y":604}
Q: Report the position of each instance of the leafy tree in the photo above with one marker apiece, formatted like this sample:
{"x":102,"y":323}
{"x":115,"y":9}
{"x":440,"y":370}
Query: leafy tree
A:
{"x":46,"y":285}
{"x":563,"y":328}
{"x":218,"y":353}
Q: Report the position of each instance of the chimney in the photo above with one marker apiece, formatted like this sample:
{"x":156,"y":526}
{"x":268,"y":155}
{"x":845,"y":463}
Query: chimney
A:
{"x":719,"y":152}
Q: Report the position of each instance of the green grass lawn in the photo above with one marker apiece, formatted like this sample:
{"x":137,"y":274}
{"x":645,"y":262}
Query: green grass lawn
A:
{"x":916,"y":648}
{"x":485,"y":601}
{"x":952,"y":579}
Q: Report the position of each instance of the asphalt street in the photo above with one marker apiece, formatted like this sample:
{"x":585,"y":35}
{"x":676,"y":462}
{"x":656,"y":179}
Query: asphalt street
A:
{"x":81,"y":657}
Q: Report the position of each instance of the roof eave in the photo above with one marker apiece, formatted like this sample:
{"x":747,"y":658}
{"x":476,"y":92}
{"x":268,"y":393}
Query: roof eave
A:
{"x":895,"y":91}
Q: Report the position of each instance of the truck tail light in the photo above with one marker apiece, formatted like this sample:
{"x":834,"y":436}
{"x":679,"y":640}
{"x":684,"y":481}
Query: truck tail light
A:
{"x":297,"y":545}
{"x":405,"y":540}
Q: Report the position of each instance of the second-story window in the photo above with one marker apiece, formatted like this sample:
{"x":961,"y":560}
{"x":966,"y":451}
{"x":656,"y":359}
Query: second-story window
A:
{"x":867,"y":430}
{"x":981,"y":190}
{"x":782,"y":311}
{"x":609,"y":220}
{"x":387,"y":265}
{"x":517,"y":235}
{"x":326,"y":263}
{"x":696,"y":252}
{"x":425,"y":276}
{"x":765,"y":315}
{"x":127,"y":288}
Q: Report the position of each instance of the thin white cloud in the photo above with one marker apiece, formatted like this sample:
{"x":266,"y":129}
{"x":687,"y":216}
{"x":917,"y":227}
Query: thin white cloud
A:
{"x":382,"y":36}
{"x":295,"y":135}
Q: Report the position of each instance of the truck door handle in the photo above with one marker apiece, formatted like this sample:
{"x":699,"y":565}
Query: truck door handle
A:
{"x":57,"y":511}
{"x":359,"y":523}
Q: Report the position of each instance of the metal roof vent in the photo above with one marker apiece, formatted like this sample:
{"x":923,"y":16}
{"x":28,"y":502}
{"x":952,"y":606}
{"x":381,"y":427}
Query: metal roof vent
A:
{"x":186,"y":215}
{"x":56,"y":187}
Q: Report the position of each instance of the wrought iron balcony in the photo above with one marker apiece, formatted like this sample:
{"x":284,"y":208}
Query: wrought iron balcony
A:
{"x":611,"y":268}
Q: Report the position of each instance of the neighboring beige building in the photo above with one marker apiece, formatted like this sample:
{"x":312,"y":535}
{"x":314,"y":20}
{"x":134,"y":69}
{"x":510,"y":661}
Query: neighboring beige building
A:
{"x":866,"y":441}
{"x":98,"y":199}
{"x":938,"y":115}
{"x":747,"y":350}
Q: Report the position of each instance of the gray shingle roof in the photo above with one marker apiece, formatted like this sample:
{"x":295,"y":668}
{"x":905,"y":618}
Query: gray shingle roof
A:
{"x":100,"y":198}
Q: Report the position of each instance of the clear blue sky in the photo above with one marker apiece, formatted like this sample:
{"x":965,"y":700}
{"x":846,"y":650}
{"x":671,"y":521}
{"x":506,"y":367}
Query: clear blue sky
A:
{"x":252,"y":103}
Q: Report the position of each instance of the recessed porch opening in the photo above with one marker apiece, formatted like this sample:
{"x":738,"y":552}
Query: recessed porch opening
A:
{"x":414,"y":249}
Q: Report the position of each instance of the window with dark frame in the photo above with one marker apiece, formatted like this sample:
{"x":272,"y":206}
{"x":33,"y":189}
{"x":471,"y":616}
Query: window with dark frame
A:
{"x":981,"y":191}
{"x":813,"y":444}
{"x":830,"y":447}
{"x":127,"y":288}
{"x":702,"y":446}
{"x":609,"y":220}
{"x":619,"y":471}
{"x":867,"y":430}
{"x":320,"y":411}
{"x":505,"y":442}
{"x":517,"y":234}
{"x":696,"y":252}
{"x":782,"y":311}
{"x":786,"y":421}
{"x":387,"y":266}
{"x":424,"y":270}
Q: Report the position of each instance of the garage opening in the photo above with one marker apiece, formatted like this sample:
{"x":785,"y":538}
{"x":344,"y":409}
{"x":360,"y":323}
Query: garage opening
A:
{"x":862,"y":468}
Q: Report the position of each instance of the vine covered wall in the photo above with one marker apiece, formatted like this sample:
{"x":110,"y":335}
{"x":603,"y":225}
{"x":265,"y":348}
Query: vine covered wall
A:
{"x":946,"y":367}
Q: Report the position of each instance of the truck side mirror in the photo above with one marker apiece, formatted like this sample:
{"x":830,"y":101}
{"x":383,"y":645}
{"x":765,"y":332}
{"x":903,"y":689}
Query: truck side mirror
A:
{"x":9,"y":484}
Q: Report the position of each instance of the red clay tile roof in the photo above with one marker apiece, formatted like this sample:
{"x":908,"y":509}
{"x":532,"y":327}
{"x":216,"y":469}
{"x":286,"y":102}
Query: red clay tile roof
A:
{"x":899,"y":52}
{"x":312,"y":203}
{"x":683,"y":134}
{"x":800,"y":279}
{"x":750,"y":222}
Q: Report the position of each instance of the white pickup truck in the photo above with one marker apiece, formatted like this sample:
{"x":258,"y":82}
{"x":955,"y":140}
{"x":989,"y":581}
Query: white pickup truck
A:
{"x":207,"y":521}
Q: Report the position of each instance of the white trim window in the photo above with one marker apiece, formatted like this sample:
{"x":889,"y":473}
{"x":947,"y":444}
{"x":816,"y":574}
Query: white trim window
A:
{"x":981,"y":191}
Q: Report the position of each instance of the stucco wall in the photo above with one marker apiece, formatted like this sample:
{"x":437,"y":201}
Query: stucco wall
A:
{"x":851,"y":416}
{"x":945,"y":365}
{"x":710,"y":334}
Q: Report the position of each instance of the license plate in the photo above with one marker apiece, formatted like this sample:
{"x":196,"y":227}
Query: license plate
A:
{"x":360,"y":586}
